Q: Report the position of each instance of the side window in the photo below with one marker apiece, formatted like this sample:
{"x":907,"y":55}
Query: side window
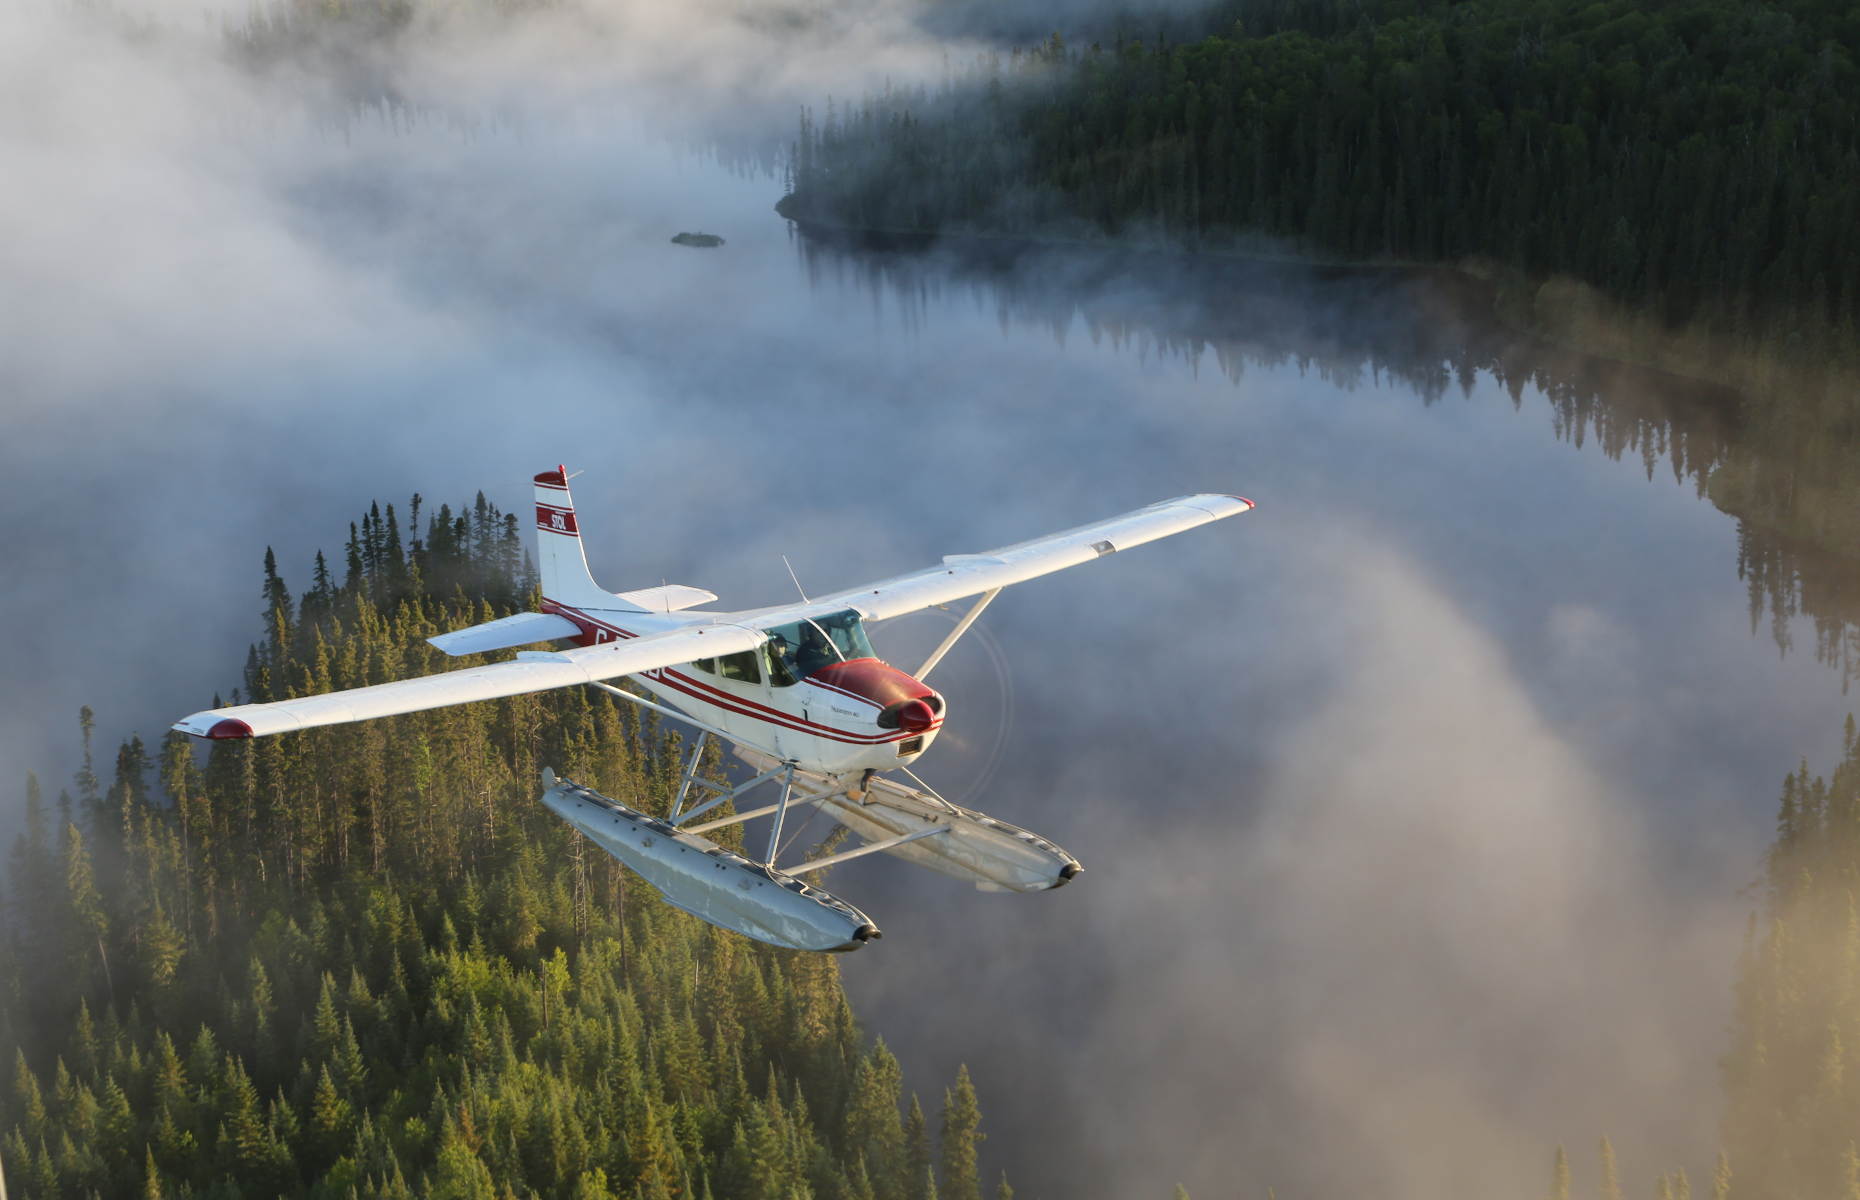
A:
{"x":780,"y":661}
{"x":706,"y":665}
{"x":740,"y":667}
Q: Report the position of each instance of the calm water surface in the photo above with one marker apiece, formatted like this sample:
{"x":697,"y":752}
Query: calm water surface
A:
{"x":1414,"y":805}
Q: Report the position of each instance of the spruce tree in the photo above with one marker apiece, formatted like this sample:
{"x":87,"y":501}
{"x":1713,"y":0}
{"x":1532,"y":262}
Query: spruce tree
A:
{"x":960,"y":1139}
{"x":872,"y":1128}
{"x":1611,"y":1176}
{"x":916,"y":1152}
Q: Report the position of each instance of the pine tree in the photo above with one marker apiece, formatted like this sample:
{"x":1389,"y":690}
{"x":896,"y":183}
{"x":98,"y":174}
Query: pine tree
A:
{"x":355,"y":569}
{"x":84,"y":901}
{"x":1611,"y":1177}
{"x":917,"y":1153}
{"x":30,"y":1101}
{"x":87,"y":777}
{"x":872,"y":1128}
{"x":151,"y":1175}
{"x":330,"y":1114}
{"x":961,"y":1116}
{"x":459,"y":1174}
{"x":162,"y":946}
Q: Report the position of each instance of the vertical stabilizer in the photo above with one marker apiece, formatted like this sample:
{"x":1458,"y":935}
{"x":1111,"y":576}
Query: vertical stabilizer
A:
{"x":559,"y":560}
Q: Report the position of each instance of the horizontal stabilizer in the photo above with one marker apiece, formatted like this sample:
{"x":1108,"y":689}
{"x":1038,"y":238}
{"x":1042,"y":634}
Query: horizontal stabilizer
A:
{"x":670,"y":597}
{"x":524,"y":629}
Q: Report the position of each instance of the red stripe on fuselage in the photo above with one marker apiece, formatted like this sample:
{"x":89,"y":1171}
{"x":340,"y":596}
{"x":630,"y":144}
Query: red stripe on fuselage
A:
{"x":697,"y":689}
{"x":768,"y":716}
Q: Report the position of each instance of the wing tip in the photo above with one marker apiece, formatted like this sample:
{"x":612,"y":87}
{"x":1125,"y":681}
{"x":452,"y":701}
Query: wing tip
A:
{"x":223,"y":730}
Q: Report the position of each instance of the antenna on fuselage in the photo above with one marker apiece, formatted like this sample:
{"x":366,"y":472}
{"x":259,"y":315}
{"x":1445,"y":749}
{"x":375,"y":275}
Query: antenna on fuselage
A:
{"x":796,"y":578}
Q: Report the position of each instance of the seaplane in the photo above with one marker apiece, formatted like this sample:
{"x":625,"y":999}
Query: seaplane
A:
{"x":795,"y":689}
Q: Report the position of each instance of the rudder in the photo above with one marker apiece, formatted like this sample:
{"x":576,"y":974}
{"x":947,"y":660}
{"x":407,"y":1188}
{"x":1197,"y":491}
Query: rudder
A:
{"x":559,"y":557}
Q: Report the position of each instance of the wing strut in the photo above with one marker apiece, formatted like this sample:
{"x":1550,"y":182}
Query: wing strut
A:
{"x":662,"y":710}
{"x":962,"y":627}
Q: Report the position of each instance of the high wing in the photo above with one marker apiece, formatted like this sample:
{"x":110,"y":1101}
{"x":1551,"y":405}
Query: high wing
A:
{"x":708,"y":635}
{"x":962,"y":575}
{"x":532,"y":672}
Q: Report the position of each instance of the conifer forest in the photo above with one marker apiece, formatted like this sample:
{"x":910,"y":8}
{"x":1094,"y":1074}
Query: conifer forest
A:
{"x":1480,"y":822}
{"x":280,"y":970}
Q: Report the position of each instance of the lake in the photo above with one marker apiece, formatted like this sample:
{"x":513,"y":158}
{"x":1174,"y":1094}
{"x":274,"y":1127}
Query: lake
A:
{"x":1415,"y":806}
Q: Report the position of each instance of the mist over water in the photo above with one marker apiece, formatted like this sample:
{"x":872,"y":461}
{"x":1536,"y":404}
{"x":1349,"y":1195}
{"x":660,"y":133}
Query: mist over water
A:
{"x":1413,"y":805}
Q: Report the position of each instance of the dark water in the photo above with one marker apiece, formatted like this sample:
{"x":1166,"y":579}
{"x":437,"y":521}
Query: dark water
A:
{"x":1414,"y":805}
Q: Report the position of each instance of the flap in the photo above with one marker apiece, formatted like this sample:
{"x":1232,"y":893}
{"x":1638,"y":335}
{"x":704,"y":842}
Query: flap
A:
{"x":524,"y":629}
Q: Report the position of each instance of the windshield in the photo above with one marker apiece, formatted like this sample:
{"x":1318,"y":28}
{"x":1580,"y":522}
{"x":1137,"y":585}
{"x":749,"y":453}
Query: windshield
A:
{"x":800,"y":648}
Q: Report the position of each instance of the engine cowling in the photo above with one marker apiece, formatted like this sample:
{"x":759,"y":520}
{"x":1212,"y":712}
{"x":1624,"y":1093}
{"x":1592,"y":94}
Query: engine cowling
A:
{"x":903,"y":701}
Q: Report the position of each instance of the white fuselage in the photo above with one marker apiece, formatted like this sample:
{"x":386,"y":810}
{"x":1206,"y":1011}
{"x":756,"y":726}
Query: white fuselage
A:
{"x":829,"y":721}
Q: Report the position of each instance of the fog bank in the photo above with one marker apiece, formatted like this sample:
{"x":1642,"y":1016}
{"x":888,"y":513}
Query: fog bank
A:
{"x":1413,"y":804}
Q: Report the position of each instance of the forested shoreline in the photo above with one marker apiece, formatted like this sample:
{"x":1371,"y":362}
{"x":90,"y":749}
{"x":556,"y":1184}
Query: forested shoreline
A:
{"x":1696,"y":163}
{"x":1792,"y":1074}
{"x":363,"y":962}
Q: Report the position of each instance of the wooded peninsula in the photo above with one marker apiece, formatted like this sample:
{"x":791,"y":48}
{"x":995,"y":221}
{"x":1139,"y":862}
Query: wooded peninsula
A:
{"x":364,"y":962}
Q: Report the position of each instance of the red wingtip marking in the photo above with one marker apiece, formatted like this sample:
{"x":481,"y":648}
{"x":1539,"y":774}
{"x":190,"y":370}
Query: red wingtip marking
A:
{"x":1245,"y":501}
{"x":229,"y":727}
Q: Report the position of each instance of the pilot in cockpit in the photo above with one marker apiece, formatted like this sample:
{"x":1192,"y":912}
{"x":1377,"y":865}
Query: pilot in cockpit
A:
{"x":815,"y":650}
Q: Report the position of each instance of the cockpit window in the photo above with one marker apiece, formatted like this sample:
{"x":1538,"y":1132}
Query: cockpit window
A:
{"x":800,"y":648}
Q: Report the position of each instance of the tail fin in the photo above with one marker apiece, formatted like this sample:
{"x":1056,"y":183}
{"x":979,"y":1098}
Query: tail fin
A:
{"x":564,"y":568}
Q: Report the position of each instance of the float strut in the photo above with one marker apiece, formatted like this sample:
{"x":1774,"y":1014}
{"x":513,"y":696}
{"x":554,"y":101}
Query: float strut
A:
{"x":727,"y":793}
{"x":684,"y":789}
{"x":781,"y":812}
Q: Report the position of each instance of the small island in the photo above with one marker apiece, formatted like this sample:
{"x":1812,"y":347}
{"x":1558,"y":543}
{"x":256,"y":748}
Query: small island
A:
{"x":706,"y":240}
